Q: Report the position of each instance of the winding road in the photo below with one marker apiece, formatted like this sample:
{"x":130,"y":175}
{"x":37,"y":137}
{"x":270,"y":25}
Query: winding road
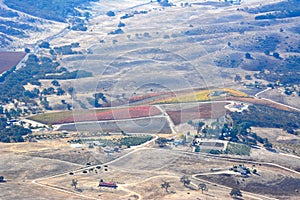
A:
{"x":270,"y":100}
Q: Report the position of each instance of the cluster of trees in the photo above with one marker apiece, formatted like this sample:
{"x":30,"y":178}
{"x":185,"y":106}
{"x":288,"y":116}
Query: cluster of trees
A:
{"x":162,"y":142}
{"x":279,"y":10}
{"x":31,"y":137}
{"x":133,"y":141}
{"x":260,"y":116}
{"x":264,"y":116}
{"x":45,"y":103}
{"x":286,"y":71}
{"x":186,"y":182}
{"x":35,"y":93}
{"x":45,"y":45}
{"x":241,"y":133}
{"x":127,"y":141}
{"x":95,"y":101}
{"x":12,"y":133}
{"x":165,"y":3}
{"x":129,"y":15}
{"x":117,"y":31}
{"x":235,"y":192}
{"x":111,"y":13}
{"x":7,"y":73}
{"x":79,"y":24}
{"x":49,"y":9}
{"x":12,"y":113}
{"x":70,"y":75}
{"x":65,"y":50}
{"x":35,"y":68}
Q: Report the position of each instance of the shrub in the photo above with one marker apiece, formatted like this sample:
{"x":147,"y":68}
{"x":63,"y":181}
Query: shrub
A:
{"x":110,"y":13}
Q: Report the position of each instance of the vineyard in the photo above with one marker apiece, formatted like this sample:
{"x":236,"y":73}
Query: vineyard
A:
{"x":204,"y":111}
{"x":203,"y":95}
{"x":9,"y":59}
{"x":97,"y":115}
{"x":126,"y":141}
{"x":153,"y":125}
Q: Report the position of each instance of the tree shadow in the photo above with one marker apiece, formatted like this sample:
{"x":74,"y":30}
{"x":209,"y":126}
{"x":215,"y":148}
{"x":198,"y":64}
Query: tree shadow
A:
{"x":79,"y":190}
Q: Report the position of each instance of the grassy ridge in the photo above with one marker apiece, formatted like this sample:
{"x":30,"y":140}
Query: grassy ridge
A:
{"x":57,"y":10}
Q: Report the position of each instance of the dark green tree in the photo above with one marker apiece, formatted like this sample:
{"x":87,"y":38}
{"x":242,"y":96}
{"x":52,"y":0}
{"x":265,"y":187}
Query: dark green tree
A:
{"x":27,"y":50}
{"x":74,"y":183}
{"x":55,"y":83}
{"x":166,"y":185}
{"x":185,"y":180}
{"x":237,"y":78}
{"x":200,"y":125}
{"x":235,"y":192}
{"x":2,"y":179}
{"x":248,"y":56}
{"x":60,"y":92}
{"x":202,"y":187}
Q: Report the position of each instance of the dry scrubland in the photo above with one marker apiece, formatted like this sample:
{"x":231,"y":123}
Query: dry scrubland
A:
{"x":155,"y":55}
{"x":138,"y":176}
{"x":133,"y":63}
{"x":139,"y":173}
{"x":287,"y":143}
{"x":17,"y":166}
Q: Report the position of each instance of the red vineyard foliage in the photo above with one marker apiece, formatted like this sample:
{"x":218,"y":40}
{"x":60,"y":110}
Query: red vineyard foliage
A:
{"x":10,"y":59}
{"x":114,"y":114}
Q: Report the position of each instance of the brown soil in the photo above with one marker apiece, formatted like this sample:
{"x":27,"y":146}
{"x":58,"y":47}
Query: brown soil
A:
{"x":206,"y":111}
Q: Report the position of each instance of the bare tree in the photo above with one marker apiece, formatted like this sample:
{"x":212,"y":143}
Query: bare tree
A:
{"x":202,"y":187}
{"x":74,"y":183}
{"x":165,"y":185}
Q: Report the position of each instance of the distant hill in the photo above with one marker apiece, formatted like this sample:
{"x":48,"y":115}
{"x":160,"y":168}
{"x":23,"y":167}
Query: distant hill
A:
{"x":57,"y":10}
{"x":279,"y":10}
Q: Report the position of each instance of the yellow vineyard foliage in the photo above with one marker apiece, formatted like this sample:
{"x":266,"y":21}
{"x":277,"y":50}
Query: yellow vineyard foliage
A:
{"x":204,"y":95}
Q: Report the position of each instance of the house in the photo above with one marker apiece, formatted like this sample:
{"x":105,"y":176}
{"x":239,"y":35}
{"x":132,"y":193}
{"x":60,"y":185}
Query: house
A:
{"x":107,"y":184}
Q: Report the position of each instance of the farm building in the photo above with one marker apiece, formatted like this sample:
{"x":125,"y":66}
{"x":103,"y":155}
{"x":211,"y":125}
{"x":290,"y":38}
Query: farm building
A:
{"x":107,"y":184}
